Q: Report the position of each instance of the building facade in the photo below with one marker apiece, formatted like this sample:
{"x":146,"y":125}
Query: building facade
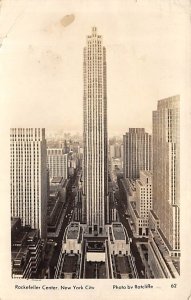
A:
{"x":95,"y":161}
{"x":28,"y":177}
{"x":166,"y":171}
{"x":136,"y":152}
{"x":144,"y":201}
{"x":57,"y":162}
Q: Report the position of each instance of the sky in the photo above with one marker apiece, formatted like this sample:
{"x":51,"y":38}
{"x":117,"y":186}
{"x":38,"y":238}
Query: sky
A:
{"x":41,"y":59}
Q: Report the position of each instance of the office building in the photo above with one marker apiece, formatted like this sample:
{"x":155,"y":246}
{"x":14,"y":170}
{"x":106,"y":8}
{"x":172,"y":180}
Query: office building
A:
{"x":57,"y":162}
{"x":136,"y":152}
{"x":164,"y":219}
{"x":143,"y":201}
{"x":115,"y":150}
{"x":28,"y":177}
{"x":115,"y":168}
{"x":166,"y":170}
{"x":95,"y":164}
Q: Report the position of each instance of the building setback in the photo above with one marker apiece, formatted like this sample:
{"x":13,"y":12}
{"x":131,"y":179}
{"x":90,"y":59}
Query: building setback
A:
{"x":95,"y":161}
{"x":136,"y":152}
{"x":28,"y":174}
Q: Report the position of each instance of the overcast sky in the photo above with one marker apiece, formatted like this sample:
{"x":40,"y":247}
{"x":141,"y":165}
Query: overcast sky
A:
{"x":42,"y":59}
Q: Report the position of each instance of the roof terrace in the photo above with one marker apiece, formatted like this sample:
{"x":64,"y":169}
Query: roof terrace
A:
{"x":73,"y":231}
{"x":118,"y":231}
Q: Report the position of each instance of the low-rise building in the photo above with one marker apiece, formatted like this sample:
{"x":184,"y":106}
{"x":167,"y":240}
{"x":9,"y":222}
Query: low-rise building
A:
{"x":73,"y":237}
{"x":71,"y":256}
{"x":118,"y":259}
{"x":25,"y":250}
{"x":56,"y":206}
{"x":58,"y":184}
{"x":118,"y":239}
{"x":162,"y":263}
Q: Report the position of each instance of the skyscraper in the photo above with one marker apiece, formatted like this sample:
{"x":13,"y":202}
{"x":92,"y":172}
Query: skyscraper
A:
{"x":29,"y":177}
{"x":136,"y":152}
{"x":95,"y":162}
{"x":166,"y":170}
{"x":57,"y":162}
{"x":144,"y":200}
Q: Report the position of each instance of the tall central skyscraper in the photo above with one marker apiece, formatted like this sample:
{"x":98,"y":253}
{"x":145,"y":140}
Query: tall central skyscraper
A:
{"x":95,"y":132}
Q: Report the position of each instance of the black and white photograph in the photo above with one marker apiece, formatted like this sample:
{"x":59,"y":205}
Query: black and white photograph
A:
{"x":95,"y":121}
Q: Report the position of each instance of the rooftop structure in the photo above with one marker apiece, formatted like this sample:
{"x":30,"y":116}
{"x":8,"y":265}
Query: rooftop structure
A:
{"x":70,"y":266}
{"x":73,"y":230}
{"x":118,"y":231}
{"x":25,"y":250}
{"x":122,"y":267}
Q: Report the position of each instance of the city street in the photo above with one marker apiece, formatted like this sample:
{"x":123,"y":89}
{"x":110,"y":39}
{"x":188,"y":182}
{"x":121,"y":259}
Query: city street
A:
{"x":68,"y":216}
{"x":125,"y":221}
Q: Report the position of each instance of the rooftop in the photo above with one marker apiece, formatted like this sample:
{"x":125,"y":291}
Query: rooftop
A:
{"x":164,"y":239}
{"x":70,"y":263}
{"x":57,"y":179}
{"x":95,"y":238}
{"x":19,"y":237}
{"x":95,"y":270}
{"x":172,"y":266}
{"x":19,"y":253}
{"x":95,"y":246}
{"x":122,"y":264}
{"x":31,"y":234}
{"x":73,"y":230}
{"x":23,"y":236}
{"x":56,"y":211}
{"x":90,"y":269}
{"x":118,"y":231}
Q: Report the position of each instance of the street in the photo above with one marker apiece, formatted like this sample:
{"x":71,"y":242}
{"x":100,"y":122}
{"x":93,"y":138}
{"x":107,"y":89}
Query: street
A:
{"x":125,"y":221}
